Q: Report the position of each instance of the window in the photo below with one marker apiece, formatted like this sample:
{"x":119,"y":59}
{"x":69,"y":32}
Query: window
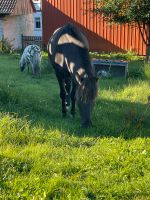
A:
{"x":36,"y":1}
{"x":37,"y":23}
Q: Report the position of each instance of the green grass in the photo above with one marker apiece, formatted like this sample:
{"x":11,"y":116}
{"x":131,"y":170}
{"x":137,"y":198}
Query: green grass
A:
{"x":44,"y":156}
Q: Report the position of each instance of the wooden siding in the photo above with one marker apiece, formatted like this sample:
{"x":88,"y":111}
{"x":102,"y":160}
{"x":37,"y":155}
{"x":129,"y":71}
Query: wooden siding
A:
{"x":101,"y":35}
{"x":23,"y":7}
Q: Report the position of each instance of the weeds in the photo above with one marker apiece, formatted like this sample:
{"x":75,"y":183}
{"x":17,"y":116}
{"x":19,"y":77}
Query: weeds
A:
{"x":6,"y":46}
{"x":116,"y":56}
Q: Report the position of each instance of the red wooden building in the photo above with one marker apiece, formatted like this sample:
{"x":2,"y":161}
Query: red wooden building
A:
{"x":101,"y":35}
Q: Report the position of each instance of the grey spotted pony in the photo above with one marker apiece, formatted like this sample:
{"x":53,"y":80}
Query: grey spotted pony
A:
{"x":31,"y":56}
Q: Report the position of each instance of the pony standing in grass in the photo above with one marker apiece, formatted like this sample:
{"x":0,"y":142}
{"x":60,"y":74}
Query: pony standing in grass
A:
{"x":69,"y":54}
{"x":31,"y":56}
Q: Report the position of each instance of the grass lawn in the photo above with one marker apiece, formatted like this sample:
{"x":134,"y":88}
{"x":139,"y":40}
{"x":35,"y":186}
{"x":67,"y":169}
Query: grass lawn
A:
{"x":45,"y":156}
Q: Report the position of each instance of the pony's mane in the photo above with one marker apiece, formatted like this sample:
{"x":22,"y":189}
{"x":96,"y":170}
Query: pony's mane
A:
{"x":84,"y":53}
{"x":87,"y":91}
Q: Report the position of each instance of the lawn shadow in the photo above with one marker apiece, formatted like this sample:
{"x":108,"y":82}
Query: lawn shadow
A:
{"x":110,"y":118}
{"x":122,"y":118}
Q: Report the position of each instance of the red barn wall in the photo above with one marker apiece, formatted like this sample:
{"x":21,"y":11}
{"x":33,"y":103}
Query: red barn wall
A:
{"x":101,"y":35}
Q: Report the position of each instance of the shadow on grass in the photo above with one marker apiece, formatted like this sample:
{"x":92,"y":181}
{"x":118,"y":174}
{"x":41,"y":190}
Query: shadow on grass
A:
{"x":122,"y":118}
{"x":110,"y":118}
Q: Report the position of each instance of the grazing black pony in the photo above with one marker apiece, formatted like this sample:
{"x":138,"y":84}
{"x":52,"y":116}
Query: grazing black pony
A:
{"x":69,"y":54}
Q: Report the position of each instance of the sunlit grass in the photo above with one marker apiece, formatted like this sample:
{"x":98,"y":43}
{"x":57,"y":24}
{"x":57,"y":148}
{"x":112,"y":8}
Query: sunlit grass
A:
{"x":44,"y":156}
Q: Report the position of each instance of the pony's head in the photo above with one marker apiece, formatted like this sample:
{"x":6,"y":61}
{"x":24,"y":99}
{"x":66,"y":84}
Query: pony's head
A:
{"x":85,"y":96}
{"x":21,"y":65}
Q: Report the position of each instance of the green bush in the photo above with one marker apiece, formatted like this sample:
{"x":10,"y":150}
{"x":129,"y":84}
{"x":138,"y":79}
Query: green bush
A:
{"x":139,"y":70}
{"x":112,"y":55}
{"x":147,"y":70}
{"x":6,"y":46}
{"x":137,"y":73}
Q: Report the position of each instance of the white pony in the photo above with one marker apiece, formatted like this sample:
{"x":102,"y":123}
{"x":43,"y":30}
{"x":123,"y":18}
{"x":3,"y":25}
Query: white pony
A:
{"x":32,"y":56}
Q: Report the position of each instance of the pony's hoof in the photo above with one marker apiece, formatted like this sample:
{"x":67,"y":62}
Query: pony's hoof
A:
{"x":72,"y":116}
{"x":67,"y":107}
{"x":86,"y":125}
{"x":64,"y":114}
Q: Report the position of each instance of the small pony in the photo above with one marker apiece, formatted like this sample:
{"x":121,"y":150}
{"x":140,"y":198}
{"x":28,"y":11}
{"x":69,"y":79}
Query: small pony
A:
{"x":31,"y":55}
{"x":68,"y":51}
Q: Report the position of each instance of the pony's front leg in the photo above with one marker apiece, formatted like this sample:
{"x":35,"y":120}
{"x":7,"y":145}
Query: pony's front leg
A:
{"x":68,"y":90}
{"x":32,"y":67}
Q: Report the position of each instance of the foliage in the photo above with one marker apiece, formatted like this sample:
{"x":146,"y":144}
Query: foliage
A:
{"x":5,"y":46}
{"x":43,"y":156}
{"x":116,"y":56}
{"x":147,"y":70}
{"x":127,"y":11}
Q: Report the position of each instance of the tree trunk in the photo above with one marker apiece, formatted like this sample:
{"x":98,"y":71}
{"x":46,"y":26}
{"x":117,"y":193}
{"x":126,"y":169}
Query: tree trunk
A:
{"x":148,"y":45}
{"x":148,"y":53}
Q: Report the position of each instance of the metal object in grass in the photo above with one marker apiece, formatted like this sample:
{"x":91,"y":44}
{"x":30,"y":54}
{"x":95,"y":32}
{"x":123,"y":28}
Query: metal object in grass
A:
{"x":113,"y":68}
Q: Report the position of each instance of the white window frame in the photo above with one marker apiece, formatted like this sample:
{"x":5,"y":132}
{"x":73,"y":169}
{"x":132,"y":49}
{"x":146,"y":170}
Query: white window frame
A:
{"x":36,"y":1}
{"x":36,"y":20}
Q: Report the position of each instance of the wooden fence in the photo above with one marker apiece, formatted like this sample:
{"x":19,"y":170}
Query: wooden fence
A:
{"x":27,"y":40}
{"x":102,"y":36}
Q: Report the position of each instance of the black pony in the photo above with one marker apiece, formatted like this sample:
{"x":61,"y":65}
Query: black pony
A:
{"x":69,"y":54}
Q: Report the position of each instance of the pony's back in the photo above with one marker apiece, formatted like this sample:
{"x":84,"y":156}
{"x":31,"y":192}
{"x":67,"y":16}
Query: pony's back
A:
{"x":68,"y":34}
{"x":69,"y":49}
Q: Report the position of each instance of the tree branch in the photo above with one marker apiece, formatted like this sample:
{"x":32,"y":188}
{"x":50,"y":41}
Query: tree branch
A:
{"x":142,"y":34}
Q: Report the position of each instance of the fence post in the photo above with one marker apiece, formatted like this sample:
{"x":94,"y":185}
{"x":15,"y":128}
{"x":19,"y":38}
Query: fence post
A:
{"x":1,"y":42}
{"x":22,"y":42}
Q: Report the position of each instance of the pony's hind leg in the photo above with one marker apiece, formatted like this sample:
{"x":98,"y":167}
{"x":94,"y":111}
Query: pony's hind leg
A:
{"x":61,"y":82}
{"x":33,"y":70}
{"x":73,"y":91}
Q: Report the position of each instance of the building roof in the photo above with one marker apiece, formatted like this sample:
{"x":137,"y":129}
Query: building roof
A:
{"x":7,"y":6}
{"x":16,"y":7}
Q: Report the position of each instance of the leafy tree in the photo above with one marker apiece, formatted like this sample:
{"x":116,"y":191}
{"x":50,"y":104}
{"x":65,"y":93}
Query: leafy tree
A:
{"x":128,"y":11}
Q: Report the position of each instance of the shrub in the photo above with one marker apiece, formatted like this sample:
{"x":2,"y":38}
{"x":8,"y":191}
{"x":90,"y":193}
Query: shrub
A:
{"x":6,"y":46}
{"x":115,"y":56}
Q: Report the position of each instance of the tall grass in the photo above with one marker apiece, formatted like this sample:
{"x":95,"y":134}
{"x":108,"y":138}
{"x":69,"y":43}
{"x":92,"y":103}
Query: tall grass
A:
{"x":44,"y":156}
